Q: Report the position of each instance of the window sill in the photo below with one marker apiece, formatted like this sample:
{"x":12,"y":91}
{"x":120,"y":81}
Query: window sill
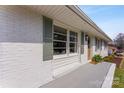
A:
{"x":73,"y":54}
{"x":59,"y":56}
{"x":64,"y":55}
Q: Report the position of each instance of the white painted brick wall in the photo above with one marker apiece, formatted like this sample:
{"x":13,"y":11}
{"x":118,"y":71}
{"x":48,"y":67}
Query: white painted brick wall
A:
{"x":103,"y":52}
{"x":21,"y":62}
{"x":65,"y":61}
{"x":21,"y":49}
{"x":84,"y":57}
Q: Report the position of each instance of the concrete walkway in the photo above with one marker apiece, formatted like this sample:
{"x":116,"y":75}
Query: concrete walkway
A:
{"x":86,"y":76}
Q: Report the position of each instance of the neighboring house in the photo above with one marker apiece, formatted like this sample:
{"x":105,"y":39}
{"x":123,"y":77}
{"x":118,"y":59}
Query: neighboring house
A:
{"x":39,"y":43}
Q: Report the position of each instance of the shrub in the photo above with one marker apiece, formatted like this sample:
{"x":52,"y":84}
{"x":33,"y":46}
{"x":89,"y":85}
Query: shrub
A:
{"x":108,"y":58}
{"x":97,"y":58}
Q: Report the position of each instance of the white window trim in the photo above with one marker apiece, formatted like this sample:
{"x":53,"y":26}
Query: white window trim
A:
{"x":68,"y":54}
{"x":73,"y":54}
{"x":64,"y":55}
{"x":73,"y":42}
{"x":60,"y":56}
{"x":59,"y":41}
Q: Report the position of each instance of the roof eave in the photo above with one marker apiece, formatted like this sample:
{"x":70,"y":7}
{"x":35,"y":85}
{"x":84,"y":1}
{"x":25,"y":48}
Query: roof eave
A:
{"x":81,"y":14}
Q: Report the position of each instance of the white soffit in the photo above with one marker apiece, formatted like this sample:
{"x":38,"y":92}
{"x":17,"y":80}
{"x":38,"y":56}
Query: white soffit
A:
{"x":66,"y":16}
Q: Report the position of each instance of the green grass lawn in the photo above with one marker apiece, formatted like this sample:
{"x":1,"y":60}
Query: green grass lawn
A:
{"x":118,"y":81}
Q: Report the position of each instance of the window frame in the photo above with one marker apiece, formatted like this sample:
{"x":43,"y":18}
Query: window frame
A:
{"x":98,"y":45}
{"x":74,"y":42}
{"x":67,"y":54}
{"x":55,"y":40}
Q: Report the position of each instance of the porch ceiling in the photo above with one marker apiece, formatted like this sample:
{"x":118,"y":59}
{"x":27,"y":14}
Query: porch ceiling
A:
{"x":68,"y":16}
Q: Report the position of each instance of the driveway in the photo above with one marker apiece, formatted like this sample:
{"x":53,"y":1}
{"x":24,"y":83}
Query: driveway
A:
{"x":86,"y":76}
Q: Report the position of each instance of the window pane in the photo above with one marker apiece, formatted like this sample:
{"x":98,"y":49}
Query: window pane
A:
{"x":59,"y":44}
{"x":59,"y":37}
{"x":73,"y":42}
{"x":73,"y":50}
{"x":60,"y":30}
{"x":73,"y":39}
{"x":59,"y":40}
{"x":59,"y":51}
{"x":74,"y":34}
{"x":72,"y":45}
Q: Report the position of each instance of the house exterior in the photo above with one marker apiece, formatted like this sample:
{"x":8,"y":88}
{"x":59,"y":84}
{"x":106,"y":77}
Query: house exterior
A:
{"x":41,"y":43}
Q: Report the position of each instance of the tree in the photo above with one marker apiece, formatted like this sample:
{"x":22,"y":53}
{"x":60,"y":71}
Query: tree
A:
{"x":119,"y":41}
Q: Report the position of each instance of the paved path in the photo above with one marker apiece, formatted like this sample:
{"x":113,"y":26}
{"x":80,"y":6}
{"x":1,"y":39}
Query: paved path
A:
{"x":86,"y":76}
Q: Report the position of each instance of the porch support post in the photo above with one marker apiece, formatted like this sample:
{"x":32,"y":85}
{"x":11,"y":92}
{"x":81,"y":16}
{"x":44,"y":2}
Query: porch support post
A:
{"x":92,"y":46}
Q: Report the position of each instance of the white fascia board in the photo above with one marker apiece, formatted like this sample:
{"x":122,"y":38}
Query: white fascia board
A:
{"x":80,"y":13}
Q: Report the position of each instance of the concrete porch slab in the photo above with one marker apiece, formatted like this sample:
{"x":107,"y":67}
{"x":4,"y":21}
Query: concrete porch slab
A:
{"x":86,"y":76}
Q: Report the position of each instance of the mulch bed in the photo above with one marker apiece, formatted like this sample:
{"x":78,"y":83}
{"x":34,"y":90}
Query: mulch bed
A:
{"x":92,"y":62}
{"x":117,"y":61}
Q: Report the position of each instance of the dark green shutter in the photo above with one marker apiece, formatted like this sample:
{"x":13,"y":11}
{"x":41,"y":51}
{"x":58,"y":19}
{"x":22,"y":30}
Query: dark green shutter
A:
{"x":96,"y":44}
{"x":82,"y":42}
{"x":47,"y":39}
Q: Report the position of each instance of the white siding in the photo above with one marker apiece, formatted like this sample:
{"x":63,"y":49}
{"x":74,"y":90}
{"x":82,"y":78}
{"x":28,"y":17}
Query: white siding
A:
{"x":21,"y":49}
{"x":65,"y":61}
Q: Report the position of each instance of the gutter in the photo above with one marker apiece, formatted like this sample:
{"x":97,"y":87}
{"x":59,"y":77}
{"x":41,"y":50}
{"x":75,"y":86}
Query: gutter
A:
{"x":91,"y":24}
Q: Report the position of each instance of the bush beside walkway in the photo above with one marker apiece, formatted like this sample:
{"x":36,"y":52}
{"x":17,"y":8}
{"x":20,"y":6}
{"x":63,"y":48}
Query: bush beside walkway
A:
{"x":114,"y":59}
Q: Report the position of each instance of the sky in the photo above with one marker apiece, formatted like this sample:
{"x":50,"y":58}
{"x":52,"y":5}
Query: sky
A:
{"x":109,"y":18}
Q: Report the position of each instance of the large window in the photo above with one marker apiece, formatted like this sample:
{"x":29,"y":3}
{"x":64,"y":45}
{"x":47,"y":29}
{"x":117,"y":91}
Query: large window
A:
{"x":73,"y":42}
{"x":64,"y":42}
{"x":97,"y":44}
{"x":59,"y":40}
